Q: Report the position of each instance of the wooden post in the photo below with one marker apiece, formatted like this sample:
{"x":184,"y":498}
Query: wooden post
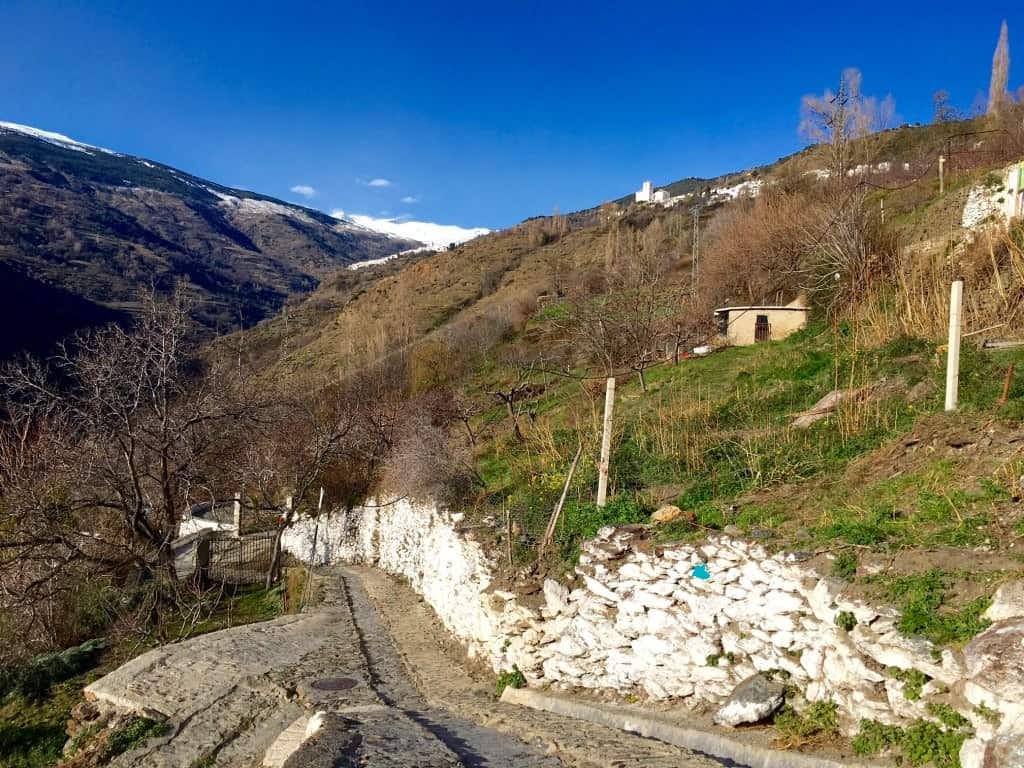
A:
{"x":508,"y":534}
{"x":238,"y":515}
{"x":942,"y":179}
{"x":1006,"y":386}
{"x":956,"y":298}
{"x":312,"y":555}
{"x":549,"y":534}
{"x":606,"y":443}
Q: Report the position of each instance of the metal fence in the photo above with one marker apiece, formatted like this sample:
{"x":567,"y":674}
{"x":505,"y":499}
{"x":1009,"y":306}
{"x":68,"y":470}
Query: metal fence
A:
{"x":241,"y":560}
{"x":215,"y":556}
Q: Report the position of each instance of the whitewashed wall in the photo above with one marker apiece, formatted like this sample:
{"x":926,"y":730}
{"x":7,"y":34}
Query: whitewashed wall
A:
{"x":641,"y":622}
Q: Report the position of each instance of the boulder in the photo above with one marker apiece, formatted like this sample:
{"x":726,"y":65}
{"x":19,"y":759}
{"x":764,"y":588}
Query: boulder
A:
{"x":1004,"y":751}
{"x":994,"y":660}
{"x":753,"y":700}
{"x":669,"y":514}
{"x":1008,"y":602}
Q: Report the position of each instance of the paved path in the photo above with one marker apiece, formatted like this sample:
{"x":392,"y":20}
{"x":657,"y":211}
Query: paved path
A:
{"x":391,"y":689}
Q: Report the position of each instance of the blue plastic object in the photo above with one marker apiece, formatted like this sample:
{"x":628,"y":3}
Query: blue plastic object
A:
{"x":701,"y":572}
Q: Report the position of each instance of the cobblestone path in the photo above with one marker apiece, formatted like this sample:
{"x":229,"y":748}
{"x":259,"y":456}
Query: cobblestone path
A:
{"x":389,"y":687}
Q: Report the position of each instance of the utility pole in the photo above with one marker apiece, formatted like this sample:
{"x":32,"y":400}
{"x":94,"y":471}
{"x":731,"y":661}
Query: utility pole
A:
{"x":695,"y":249}
{"x":942,"y":182}
{"x":606,"y":443}
{"x":956,"y":298}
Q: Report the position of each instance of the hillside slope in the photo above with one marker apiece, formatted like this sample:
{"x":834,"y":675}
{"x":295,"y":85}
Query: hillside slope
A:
{"x":103,"y":226}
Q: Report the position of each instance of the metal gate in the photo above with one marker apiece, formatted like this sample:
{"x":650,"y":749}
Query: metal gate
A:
{"x":762,"y":329}
{"x":236,"y":560}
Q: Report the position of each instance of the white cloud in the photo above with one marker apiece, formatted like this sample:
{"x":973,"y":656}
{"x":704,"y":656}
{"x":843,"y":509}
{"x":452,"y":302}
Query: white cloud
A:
{"x":379,"y":183}
{"x":409,"y":199}
{"x":305,"y":190}
{"x":426,"y":232}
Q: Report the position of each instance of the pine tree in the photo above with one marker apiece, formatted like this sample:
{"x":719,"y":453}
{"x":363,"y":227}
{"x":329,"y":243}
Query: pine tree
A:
{"x":997,"y":90}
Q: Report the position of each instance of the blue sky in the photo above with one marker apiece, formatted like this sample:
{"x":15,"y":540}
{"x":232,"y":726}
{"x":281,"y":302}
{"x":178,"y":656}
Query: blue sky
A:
{"x":478,"y":114}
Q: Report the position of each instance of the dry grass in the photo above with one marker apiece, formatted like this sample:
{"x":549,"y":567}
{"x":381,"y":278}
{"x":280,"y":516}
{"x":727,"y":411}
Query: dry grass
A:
{"x":992,"y":266}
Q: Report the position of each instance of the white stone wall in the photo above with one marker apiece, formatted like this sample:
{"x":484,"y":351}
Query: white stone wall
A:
{"x":997,"y":204}
{"x":639,"y":620}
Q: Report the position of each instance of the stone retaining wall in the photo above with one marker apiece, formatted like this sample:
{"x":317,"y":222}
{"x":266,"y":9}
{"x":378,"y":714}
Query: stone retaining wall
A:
{"x":683,"y":622}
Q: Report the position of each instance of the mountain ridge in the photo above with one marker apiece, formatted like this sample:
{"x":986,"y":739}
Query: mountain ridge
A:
{"x":105,"y":227}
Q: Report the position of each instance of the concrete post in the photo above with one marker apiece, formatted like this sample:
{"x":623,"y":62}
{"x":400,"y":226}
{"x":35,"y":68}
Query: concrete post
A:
{"x":942,"y":179}
{"x":956,"y":298}
{"x":238,"y":515}
{"x":606,"y":444}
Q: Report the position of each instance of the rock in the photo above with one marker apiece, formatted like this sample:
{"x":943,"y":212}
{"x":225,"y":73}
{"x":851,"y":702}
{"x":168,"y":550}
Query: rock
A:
{"x":732,"y":530}
{"x":1008,"y":602}
{"x":663,"y":494}
{"x":994,"y":660}
{"x":921,"y":390}
{"x":972,"y":754}
{"x":555,"y":595}
{"x":1004,"y":750}
{"x":600,"y":589}
{"x":753,"y":700}
{"x":824,"y":407}
{"x":670,"y":513}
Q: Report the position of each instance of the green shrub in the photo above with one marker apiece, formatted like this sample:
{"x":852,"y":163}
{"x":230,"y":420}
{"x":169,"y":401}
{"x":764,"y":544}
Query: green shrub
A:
{"x":845,"y":565}
{"x":133,"y":734}
{"x":875,"y":737}
{"x":913,"y":681}
{"x":988,"y":714}
{"x":30,"y":746}
{"x":510,"y":679}
{"x":921,"y":743}
{"x":846,"y":621}
{"x":920,"y":598}
{"x":946,"y":715}
{"x":818,"y":720}
{"x":925,"y":742}
{"x":34,"y":679}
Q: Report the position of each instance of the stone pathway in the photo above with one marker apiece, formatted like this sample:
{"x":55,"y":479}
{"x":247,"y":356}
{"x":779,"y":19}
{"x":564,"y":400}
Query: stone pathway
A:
{"x":373,"y":660}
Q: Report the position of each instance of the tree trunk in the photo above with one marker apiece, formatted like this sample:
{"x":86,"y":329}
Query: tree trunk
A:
{"x":514,"y":416}
{"x":643,"y":381}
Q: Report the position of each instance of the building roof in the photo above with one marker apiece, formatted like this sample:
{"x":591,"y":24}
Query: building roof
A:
{"x":773,"y":307}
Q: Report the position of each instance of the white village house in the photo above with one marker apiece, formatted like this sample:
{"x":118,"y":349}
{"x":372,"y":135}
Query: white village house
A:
{"x":647,"y":194}
{"x":741,"y":326}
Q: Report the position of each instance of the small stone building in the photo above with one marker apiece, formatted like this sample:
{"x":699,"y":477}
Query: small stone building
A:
{"x":740,"y":326}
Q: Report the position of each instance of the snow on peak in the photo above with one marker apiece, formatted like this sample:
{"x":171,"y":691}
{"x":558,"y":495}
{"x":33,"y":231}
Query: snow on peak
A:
{"x":426,"y":232}
{"x":255,"y":207}
{"x":57,"y":139}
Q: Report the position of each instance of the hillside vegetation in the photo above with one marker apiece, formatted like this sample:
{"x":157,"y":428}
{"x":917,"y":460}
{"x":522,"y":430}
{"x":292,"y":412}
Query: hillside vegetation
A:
{"x":474,"y":376}
{"x":494,"y":342}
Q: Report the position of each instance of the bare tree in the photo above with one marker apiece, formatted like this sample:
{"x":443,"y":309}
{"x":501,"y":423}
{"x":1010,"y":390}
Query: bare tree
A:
{"x":758,"y":250}
{"x":425,"y":463}
{"x":105,"y":448}
{"x":998,"y":91}
{"x":516,"y":388}
{"x":944,"y":112}
{"x":623,"y":328}
{"x":839,"y":119}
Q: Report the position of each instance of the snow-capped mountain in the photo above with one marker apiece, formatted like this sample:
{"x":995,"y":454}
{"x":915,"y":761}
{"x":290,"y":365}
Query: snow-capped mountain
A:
{"x":90,"y":228}
{"x":430,"y":234}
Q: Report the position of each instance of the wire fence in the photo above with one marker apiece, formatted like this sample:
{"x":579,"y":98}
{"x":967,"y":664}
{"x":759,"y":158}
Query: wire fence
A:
{"x":216,"y":556}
